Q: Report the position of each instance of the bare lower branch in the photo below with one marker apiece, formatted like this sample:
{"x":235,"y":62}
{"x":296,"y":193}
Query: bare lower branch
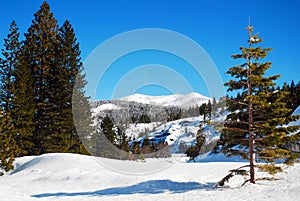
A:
{"x":260,"y":179}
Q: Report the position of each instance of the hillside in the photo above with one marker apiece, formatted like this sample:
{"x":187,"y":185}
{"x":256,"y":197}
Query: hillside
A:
{"x":178,"y":134}
{"x":158,"y":108}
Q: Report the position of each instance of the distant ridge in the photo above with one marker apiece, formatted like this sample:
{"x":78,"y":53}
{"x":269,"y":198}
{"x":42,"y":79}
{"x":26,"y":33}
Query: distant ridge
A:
{"x":181,"y":100}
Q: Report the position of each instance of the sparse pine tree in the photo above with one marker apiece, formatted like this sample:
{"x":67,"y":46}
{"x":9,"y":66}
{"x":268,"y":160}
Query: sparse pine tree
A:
{"x":256,"y":126}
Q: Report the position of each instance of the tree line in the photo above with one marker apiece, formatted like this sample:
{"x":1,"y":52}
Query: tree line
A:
{"x":114,"y":143}
{"x":39,"y":76}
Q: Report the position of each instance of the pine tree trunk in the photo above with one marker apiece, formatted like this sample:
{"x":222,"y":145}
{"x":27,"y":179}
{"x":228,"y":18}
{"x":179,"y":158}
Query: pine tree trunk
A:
{"x":250,"y":121}
{"x":251,"y":146}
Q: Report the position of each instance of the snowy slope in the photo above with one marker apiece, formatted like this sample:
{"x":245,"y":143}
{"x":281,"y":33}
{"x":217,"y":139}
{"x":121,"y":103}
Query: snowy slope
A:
{"x":68,"y":177}
{"x":175,"y":133}
{"x":296,"y":112}
{"x":185,"y":101}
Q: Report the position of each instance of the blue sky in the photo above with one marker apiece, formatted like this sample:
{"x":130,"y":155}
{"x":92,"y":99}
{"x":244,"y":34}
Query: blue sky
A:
{"x":216,"y":25}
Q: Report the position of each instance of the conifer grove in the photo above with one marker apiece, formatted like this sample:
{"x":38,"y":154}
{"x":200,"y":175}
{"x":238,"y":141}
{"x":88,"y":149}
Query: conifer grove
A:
{"x":37,"y":84}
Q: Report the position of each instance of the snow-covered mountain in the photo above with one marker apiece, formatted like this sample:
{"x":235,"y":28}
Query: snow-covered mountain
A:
{"x":179,"y":134}
{"x":183,"y":101}
{"x":158,"y":108}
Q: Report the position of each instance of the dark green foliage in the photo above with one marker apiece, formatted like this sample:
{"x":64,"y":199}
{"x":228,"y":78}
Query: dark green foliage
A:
{"x":292,"y":100}
{"x":40,"y":48}
{"x":42,"y":90}
{"x":206,"y":110}
{"x":174,"y":116}
{"x":144,"y":119}
{"x":108,"y":129}
{"x":258,"y":113}
{"x":136,"y":149}
{"x":194,"y":151}
{"x":8,"y":146}
{"x":72,"y":100}
{"x":122,"y":140}
{"x":11,"y":51}
{"x":7,"y":66}
{"x":23,"y":111}
{"x":107,"y":140}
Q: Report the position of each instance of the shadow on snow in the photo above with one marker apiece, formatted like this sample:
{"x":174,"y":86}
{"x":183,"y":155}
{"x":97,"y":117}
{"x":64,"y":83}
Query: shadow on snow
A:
{"x":148,"y":187}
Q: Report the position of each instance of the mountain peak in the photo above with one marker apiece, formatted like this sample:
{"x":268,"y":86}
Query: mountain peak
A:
{"x":181,"y":100}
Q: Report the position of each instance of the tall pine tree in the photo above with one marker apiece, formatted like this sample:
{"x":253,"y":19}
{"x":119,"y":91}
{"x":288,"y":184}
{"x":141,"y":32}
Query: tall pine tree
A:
{"x":41,"y":49}
{"x":8,"y":146}
{"x":255,"y":128}
{"x":71,"y":70}
{"x":10,"y":54}
{"x":24,"y":110}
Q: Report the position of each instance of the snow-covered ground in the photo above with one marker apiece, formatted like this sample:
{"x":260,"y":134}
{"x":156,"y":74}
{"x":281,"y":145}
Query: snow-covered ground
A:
{"x":78,"y":177}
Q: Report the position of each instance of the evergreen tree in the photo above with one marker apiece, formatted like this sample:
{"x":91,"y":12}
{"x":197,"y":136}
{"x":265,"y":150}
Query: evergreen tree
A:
{"x":144,"y":119}
{"x":42,"y":89}
{"x":209,"y":110}
{"x":40,"y":48}
{"x":122,"y":140}
{"x":82,"y":116}
{"x":206,"y":110}
{"x":10,"y":54}
{"x":8,"y":146}
{"x":71,"y":67}
{"x":203,"y":111}
{"x":23,"y":111}
{"x":107,"y":127}
{"x":194,"y":150}
{"x":254,"y":128}
{"x":136,"y":149}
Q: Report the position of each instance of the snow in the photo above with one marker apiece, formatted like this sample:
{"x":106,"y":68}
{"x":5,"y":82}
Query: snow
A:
{"x":295,"y":123}
{"x":78,"y":177}
{"x":297,"y":111}
{"x":104,"y":107}
{"x":136,"y":129}
{"x":181,"y":131}
{"x":185,"y":101}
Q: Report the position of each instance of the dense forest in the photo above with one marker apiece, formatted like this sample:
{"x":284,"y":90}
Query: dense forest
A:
{"x":39,"y":76}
